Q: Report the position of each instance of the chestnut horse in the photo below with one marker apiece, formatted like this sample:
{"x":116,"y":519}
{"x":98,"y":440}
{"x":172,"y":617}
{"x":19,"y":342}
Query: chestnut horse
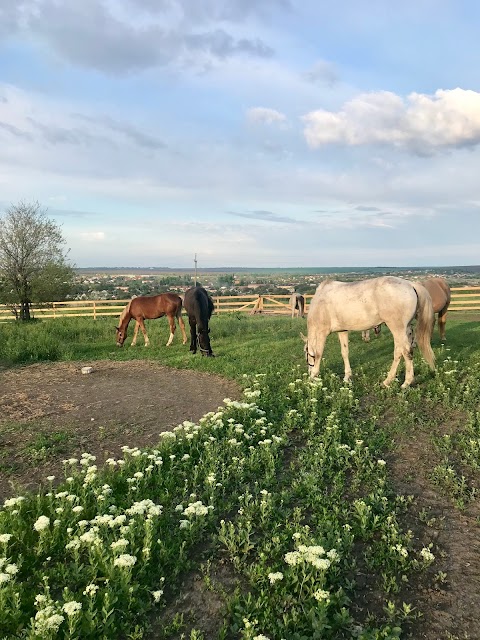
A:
{"x":440,"y":293}
{"x":148,"y":308}
{"x":343,"y":306}
{"x":199,"y":307}
{"x":297,"y":303}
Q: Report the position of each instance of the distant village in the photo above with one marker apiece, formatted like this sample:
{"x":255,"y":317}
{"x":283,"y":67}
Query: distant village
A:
{"x":113,"y":284}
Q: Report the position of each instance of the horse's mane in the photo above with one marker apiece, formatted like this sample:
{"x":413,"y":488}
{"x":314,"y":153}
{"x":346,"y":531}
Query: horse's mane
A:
{"x":324,"y":282}
{"x":124,"y":313}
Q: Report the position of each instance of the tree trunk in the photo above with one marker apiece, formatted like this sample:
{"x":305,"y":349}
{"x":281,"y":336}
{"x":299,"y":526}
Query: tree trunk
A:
{"x":25,"y":310}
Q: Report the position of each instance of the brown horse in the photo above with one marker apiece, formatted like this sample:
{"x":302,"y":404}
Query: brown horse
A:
{"x":148,"y":308}
{"x":440,"y":294}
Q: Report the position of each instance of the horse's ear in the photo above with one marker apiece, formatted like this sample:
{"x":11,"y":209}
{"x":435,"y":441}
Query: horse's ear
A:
{"x":304,"y":338}
{"x":117,"y":328}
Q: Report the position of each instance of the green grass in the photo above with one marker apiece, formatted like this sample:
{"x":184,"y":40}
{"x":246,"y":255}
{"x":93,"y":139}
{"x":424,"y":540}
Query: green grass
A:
{"x":300,"y":469}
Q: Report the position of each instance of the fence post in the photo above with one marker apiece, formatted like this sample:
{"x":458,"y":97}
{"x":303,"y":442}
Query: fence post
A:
{"x":217,"y":300}
{"x":94,"y":310}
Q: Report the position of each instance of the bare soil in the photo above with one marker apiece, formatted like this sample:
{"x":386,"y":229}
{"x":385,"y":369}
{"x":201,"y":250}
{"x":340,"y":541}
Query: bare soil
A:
{"x":49,"y":412}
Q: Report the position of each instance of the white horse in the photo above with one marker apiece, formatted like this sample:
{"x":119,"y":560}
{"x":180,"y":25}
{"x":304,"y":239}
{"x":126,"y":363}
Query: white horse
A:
{"x":366,"y":333}
{"x":343,"y":306}
{"x":297,"y":303}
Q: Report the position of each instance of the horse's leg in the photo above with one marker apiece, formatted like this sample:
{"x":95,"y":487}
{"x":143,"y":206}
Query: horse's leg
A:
{"x":366,"y":336}
{"x":182,"y":328}
{"x":171,"y":322}
{"x":144,"y":331}
{"x":343,"y":339}
{"x":442,"y":321}
{"x":193,"y":335}
{"x":135,"y":333}
{"x":403,"y":346}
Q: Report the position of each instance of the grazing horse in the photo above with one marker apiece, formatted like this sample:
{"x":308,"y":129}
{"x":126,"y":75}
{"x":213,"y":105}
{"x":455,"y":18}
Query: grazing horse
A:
{"x":440,"y":293}
{"x":199,"y":307}
{"x":148,"y":308}
{"x":366,"y":334}
{"x":297,"y":303}
{"x":344,"y":306}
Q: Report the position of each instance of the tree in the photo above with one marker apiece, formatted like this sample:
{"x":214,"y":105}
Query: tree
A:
{"x":33,"y":263}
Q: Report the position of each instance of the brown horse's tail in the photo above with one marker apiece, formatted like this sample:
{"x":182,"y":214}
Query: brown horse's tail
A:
{"x":425,"y":321}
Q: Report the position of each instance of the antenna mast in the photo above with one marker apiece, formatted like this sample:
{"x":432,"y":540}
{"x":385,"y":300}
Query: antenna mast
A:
{"x":195,"y":260}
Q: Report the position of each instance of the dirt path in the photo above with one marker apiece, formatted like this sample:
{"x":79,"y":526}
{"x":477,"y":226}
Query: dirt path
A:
{"x":49,"y":412}
{"x":451,"y":602}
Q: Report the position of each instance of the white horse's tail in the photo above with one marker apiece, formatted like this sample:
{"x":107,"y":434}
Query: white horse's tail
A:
{"x":425,"y":322}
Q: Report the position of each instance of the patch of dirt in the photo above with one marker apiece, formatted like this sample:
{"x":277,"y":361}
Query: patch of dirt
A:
{"x":49,"y":412}
{"x":449,"y":594}
{"x":200,"y":604}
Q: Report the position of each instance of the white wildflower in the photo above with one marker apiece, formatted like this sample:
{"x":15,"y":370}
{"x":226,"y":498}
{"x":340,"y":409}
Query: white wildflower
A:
{"x":125,"y":561}
{"x":275,"y":577}
{"x":42,"y":523}
{"x":71,"y":608}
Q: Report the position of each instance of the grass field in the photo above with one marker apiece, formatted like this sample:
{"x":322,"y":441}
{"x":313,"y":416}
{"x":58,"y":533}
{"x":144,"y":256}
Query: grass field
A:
{"x":281,"y":516}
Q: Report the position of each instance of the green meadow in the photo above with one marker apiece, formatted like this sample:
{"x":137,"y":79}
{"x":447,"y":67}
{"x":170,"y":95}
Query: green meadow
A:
{"x":288,"y":510}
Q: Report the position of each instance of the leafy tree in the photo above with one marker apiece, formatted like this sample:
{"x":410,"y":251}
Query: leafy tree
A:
{"x":33,"y":264}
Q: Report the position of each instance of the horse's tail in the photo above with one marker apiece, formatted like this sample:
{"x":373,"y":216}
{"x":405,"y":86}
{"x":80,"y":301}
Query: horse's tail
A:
{"x":178,"y":312}
{"x":425,"y":321}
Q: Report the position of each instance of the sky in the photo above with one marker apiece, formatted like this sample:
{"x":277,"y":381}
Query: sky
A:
{"x":253,"y":133}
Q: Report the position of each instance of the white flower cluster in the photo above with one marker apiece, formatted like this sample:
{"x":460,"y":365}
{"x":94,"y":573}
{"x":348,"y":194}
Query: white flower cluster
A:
{"x":427,"y":555}
{"x":42,"y":523}
{"x":311,"y":555}
{"x":125,"y":561}
{"x":47,"y":621}
{"x":197,"y":509}
{"x":275,"y":577}
{"x":13,"y":502}
{"x":145,"y":507}
{"x":71,"y":608}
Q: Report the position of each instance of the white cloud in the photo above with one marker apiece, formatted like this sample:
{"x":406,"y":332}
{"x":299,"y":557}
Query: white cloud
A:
{"x":265,"y":115}
{"x":93,"y":236}
{"x":421,"y":123}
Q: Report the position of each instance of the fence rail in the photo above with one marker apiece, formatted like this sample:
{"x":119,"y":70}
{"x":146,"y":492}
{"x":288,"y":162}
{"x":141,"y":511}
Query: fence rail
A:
{"x":463,"y":299}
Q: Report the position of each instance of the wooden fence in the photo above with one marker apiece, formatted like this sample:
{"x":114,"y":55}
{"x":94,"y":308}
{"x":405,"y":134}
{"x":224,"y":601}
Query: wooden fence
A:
{"x":463,"y":299}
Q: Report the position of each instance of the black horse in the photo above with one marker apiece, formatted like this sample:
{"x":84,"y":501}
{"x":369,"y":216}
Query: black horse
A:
{"x":199,"y":307}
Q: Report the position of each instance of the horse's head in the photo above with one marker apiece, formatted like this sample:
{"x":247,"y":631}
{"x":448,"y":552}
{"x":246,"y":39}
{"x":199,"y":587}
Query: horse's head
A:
{"x":121,"y":335}
{"x":309,"y":357}
{"x":204,"y":342}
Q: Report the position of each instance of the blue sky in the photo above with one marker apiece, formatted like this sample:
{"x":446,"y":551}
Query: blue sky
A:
{"x":251,"y":132}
